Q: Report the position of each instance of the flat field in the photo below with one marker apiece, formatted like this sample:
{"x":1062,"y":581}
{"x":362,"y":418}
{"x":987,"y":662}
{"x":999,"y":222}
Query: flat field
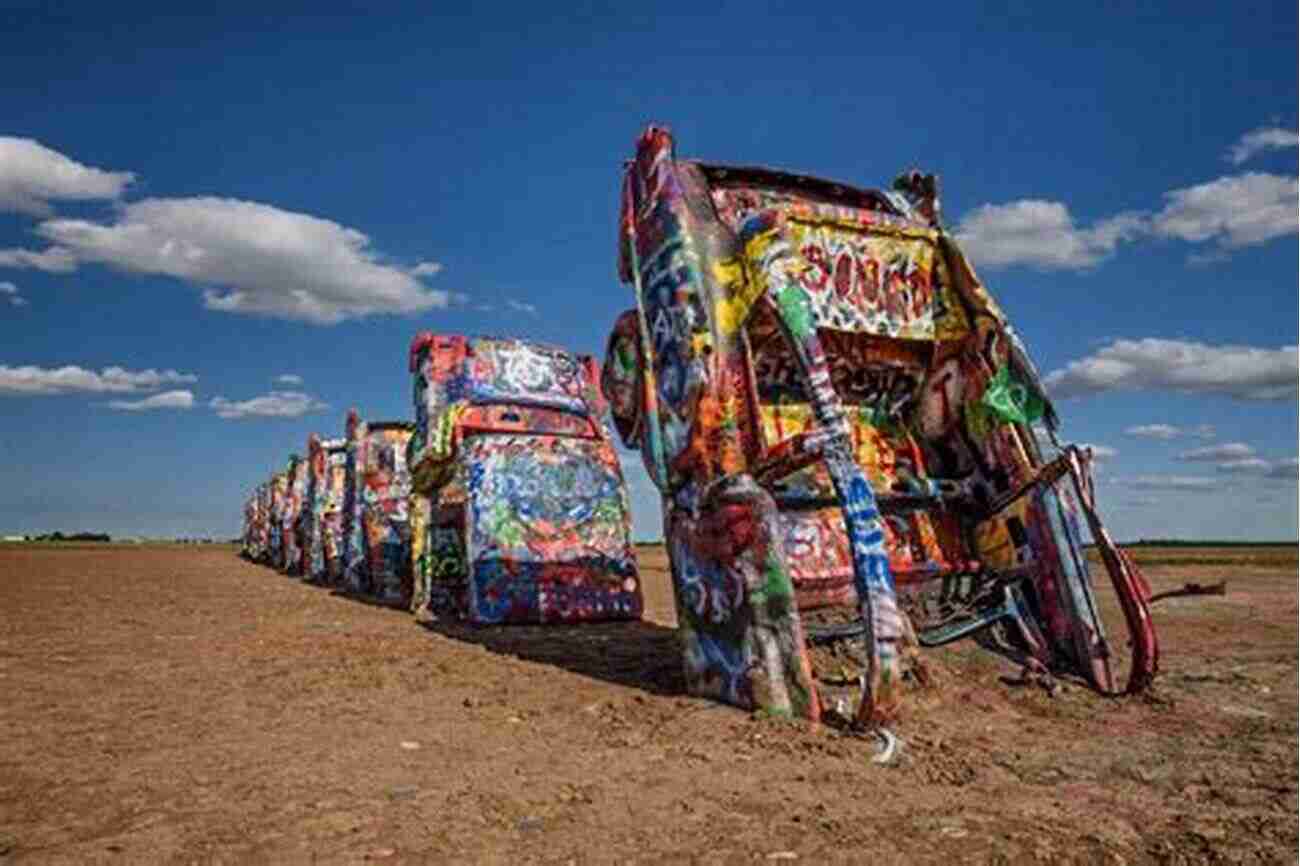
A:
{"x":180,"y":705}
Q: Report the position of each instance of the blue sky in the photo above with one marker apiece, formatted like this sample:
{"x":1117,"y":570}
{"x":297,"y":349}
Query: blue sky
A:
{"x":192,"y":207}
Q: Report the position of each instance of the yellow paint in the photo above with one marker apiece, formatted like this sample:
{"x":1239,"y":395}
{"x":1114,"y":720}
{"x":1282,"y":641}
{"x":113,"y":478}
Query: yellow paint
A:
{"x":738,"y":295}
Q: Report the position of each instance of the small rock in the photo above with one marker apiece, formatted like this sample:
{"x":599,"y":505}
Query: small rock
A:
{"x":528,"y":824}
{"x":410,"y":745}
{"x":403,"y":792}
{"x":514,"y":720}
{"x":1249,"y":712}
{"x":783,"y":855}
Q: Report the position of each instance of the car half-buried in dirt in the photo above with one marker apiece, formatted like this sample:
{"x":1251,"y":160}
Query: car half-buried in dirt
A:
{"x":523,"y":513}
{"x":850,"y":440}
{"x":375,"y":525}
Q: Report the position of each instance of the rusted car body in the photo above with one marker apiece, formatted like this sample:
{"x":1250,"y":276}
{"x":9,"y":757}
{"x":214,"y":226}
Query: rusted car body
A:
{"x":521,"y":514}
{"x":327,"y":459}
{"x":292,"y":528}
{"x":261,"y":546}
{"x":279,"y":496}
{"x":377,"y":533}
{"x":248,"y":543}
{"x":841,"y":422}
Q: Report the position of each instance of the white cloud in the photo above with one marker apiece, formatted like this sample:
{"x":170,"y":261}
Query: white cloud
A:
{"x":1233,"y":211}
{"x":1218,"y":453}
{"x":1276,"y":469}
{"x":1285,"y":469}
{"x":1244,"y":464}
{"x":70,"y":379}
{"x":249,"y":257}
{"x":276,"y":404}
{"x":288,"y":379}
{"x":182,"y":399}
{"x":1154,"y":431}
{"x":1171,"y":482}
{"x":426,"y":269}
{"x":1100,"y":452}
{"x":1236,"y":211}
{"x":1169,"y":431}
{"x":9,"y":292}
{"x":1259,"y":140}
{"x":1243,"y":372}
{"x":53,"y":260}
{"x":32,"y":175}
{"x":1041,"y":234}
{"x":521,"y":307}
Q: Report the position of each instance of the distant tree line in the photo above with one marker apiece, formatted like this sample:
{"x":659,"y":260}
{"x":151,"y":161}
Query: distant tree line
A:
{"x":1183,"y":542}
{"x":71,"y":536}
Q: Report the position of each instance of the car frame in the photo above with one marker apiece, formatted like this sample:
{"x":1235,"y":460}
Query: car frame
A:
{"x":801,"y":352}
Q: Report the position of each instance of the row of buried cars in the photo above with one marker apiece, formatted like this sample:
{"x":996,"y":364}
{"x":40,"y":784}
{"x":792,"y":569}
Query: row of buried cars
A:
{"x":503,"y":502}
{"x":853,"y":449}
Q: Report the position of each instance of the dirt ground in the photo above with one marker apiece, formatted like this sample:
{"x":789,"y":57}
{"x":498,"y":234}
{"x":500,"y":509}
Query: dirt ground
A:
{"x":181,"y":705}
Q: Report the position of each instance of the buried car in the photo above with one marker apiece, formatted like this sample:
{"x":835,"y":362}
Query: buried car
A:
{"x":327,"y":461}
{"x":292,"y":528}
{"x":279,"y":495}
{"x":850,"y":440}
{"x":522,"y":512}
{"x":375,"y":525}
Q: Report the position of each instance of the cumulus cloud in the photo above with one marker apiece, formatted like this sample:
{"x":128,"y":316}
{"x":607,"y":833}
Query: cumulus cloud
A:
{"x":1041,"y":234}
{"x":1100,"y":452}
{"x":1236,"y":211}
{"x":52,"y":260}
{"x":1154,"y":431}
{"x":248,"y":257}
{"x":1244,"y":464}
{"x":182,"y":399}
{"x":1243,"y":372}
{"x":10,"y":294}
{"x":32,"y":175}
{"x":1259,"y":140}
{"x":426,"y":269}
{"x":1230,"y":212}
{"x":1285,"y":469}
{"x":1217,"y":453}
{"x":1169,"y":431}
{"x":1188,"y":483}
{"x":276,"y":404}
{"x":70,"y":379}
{"x":521,"y":307}
{"x":288,"y":379}
{"x":1271,"y":469}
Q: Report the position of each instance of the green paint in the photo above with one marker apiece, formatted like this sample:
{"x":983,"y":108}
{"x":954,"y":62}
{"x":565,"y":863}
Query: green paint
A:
{"x":796,"y":312}
{"x":1011,"y":400}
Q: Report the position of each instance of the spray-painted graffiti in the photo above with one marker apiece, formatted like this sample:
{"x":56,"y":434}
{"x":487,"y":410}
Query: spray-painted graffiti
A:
{"x":525,"y":514}
{"x":822,"y":364}
{"x":328,"y":461}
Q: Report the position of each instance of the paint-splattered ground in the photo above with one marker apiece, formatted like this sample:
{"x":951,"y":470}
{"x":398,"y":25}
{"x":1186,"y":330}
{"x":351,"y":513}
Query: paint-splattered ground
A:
{"x":180,"y":705}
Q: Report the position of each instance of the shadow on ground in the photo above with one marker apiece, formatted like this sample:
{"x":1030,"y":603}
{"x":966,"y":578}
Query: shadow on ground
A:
{"x":639,"y":655}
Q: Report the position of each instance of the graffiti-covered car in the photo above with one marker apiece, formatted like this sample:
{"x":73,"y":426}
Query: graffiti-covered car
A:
{"x":247,"y":535}
{"x":522,"y":512}
{"x":327,"y":461}
{"x":279,"y":486}
{"x":262,"y":525}
{"x":850,"y":440}
{"x":376,"y":530}
{"x":291,"y":516}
